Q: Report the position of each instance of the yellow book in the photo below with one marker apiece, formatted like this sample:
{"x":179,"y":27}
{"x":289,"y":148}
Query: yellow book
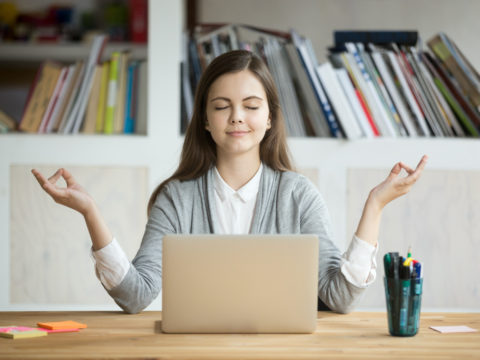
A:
{"x":90,"y":121}
{"x":112,"y":93}
{"x":119,"y":118}
{"x":102,"y":100}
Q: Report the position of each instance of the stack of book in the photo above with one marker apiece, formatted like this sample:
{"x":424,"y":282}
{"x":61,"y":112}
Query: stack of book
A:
{"x":88,"y":96}
{"x":374,"y":83}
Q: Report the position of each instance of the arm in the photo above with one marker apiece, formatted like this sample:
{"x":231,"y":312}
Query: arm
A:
{"x":76,"y":198}
{"x":391,"y":188}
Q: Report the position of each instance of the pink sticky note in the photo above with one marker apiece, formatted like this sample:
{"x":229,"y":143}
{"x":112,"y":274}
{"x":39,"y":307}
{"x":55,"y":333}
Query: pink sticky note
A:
{"x":453,"y":329}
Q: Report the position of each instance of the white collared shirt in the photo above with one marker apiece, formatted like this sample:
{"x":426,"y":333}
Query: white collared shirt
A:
{"x":234,"y":209}
{"x":233,"y":215}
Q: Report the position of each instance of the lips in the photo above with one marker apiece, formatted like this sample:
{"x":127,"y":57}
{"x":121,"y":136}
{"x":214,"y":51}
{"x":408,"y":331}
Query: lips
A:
{"x":237,"y":133}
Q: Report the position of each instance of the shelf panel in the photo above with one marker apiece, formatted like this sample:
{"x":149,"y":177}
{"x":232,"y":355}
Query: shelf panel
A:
{"x":31,"y":52}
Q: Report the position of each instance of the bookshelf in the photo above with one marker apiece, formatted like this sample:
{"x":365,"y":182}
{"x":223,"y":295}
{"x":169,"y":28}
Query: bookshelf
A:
{"x":330,"y":163}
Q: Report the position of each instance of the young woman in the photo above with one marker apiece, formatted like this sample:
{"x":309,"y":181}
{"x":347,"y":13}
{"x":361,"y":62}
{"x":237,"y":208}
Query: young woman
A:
{"x":235,"y":176}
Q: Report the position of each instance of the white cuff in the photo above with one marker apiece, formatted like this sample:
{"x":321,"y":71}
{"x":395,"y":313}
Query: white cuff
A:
{"x":359,"y":266}
{"x":111,"y":264}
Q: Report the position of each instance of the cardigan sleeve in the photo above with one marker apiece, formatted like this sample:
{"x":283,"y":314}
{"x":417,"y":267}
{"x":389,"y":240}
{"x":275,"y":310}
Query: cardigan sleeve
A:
{"x":334,"y":289}
{"x":143,"y":281}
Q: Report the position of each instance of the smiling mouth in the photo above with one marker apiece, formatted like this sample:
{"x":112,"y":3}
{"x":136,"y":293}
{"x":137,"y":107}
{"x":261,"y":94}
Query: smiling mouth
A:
{"x":237,"y":133}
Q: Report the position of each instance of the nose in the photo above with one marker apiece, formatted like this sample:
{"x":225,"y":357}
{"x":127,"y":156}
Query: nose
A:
{"x":237,"y":116}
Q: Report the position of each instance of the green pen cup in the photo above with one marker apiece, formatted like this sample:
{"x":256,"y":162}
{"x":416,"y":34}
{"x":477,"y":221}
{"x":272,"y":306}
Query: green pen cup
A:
{"x":404,"y":300}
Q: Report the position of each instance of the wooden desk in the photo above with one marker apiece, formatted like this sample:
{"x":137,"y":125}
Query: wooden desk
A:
{"x":115,"y":335}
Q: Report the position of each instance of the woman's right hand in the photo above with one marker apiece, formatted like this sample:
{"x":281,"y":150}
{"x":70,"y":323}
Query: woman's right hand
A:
{"x":72,"y":196}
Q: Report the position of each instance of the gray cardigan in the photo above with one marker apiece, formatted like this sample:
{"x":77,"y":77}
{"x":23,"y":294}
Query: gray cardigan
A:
{"x":287,"y":203}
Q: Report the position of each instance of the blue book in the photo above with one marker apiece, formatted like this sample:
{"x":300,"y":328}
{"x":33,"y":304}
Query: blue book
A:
{"x":129,"y":124}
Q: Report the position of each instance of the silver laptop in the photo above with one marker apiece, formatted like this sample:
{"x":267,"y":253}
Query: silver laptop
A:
{"x":239,"y":283}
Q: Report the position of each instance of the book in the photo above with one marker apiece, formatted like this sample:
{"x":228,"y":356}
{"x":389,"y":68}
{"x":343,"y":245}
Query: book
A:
{"x":441,"y":97}
{"x":142,"y":99}
{"x":138,"y":20}
{"x":311,"y":106}
{"x":20,"y":332}
{"x":7,"y":121}
{"x":384,"y":96}
{"x":377,"y":37}
{"x":102,"y":97}
{"x":385,"y":71}
{"x":130,"y":101}
{"x":354,"y":101}
{"x":339,"y":101}
{"x":70,"y":97}
{"x":77,"y":113}
{"x":53,"y":100}
{"x":447,"y":54}
{"x":310,"y":63}
{"x":420,"y":123}
{"x":280,"y":69}
{"x":458,"y":104}
{"x":90,"y":121}
{"x":43,"y":88}
{"x":111,"y":93}
{"x":119,"y":114}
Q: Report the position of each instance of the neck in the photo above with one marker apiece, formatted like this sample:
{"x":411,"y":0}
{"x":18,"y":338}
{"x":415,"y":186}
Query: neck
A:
{"x":239,"y":170}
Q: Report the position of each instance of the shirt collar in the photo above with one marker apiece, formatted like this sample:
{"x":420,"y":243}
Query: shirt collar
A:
{"x":246,"y":192}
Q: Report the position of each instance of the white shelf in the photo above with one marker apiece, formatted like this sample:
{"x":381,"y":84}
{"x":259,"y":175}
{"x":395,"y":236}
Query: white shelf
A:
{"x":31,"y":52}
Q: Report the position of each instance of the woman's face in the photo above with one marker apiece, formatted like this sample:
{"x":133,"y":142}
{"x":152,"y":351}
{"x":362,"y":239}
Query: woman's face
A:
{"x":237,"y":113}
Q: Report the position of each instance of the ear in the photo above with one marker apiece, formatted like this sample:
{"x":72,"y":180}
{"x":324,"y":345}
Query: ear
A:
{"x":269,"y":123}
{"x":207,"y":125}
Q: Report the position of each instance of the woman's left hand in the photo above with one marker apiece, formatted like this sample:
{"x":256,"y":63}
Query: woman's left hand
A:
{"x":395,"y":186}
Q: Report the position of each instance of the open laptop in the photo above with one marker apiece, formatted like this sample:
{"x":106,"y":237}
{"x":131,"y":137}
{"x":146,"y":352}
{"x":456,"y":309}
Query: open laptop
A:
{"x":239,"y":283}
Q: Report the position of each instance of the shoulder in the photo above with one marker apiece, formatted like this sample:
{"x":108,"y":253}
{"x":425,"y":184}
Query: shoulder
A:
{"x":178,"y":190}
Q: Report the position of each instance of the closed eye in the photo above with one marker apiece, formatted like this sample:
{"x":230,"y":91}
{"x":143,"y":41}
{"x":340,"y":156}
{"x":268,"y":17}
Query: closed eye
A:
{"x":252,"y":107}
{"x":221,"y":108}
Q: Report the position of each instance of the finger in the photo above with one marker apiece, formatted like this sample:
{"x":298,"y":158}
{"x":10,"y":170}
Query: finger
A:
{"x":68,"y":177}
{"x":407,"y":168}
{"x":38,"y":175}
{"x":418,"y":170}
{"x":395,"y":171}
{"x":54,"y":178}
{"x":55,"y":192}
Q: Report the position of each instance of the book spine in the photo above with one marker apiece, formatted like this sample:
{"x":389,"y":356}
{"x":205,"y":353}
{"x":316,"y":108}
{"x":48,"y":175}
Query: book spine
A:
{"x":111,"y":93}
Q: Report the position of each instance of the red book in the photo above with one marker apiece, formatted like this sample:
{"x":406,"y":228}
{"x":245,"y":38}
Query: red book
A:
{"x":138,"y":20}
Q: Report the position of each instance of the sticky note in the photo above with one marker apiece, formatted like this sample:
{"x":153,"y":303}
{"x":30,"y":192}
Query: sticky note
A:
{"x":20,"y":332}
{"x":56,"y":325}
{"x":453,"y":329}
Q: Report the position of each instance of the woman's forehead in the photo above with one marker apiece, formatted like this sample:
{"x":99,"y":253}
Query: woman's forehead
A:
{"x":237,"y":85}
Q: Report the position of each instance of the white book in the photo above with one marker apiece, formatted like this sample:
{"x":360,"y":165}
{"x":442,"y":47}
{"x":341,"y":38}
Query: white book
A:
{"x":339,"y":101}
{"x":380,"y":114}
{"x":392,"y":89}
{"x":77,"y":114}
{"x":350,"y":63}
{"x":408,"y":94}
{"x":47,"y":115}
{"x":382,"y":92}
{"x":351,"y":95}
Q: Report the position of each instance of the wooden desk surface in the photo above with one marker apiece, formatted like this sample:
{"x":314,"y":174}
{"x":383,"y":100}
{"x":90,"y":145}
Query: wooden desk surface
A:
{"x":115,"y":335}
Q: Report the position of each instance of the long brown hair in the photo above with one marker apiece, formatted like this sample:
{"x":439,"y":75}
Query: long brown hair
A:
{"x":199,"y":152}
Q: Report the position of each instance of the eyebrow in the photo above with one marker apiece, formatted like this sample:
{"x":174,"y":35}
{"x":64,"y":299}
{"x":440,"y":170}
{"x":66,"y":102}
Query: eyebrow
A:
{"x":227,"y":99}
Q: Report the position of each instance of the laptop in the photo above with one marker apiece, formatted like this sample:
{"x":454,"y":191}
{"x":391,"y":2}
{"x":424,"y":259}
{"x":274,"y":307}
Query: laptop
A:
{"x":239,"y":283}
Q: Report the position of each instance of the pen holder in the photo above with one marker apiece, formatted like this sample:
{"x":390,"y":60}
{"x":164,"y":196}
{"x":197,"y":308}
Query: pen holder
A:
{"x":403,"y":298}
